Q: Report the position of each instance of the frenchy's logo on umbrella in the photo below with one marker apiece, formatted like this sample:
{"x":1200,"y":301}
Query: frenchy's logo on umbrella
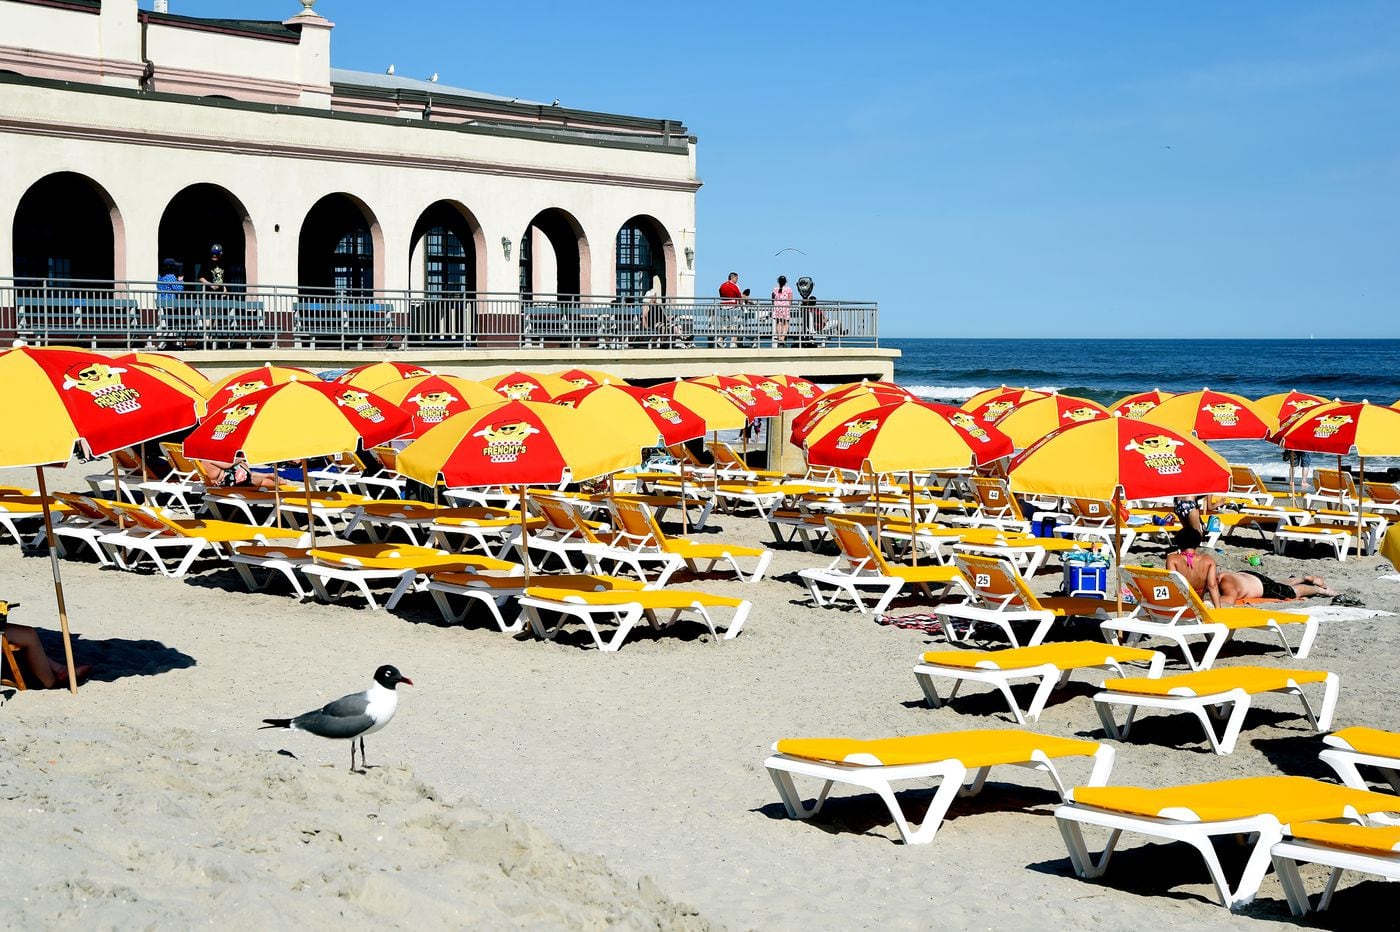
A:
{"x":239,"y":389}
{"x":517,"y":391}
{"x":854,"y":431}
{"x":996,"y":411}
{"x":740,"y":393}
{"x":1303,"y":404}
{"x":1329,"y":424}
{"x":1138,"y":408}
{"x":771,"y":389}
{"x":104,"y":384}
{"x":968,"y":424}
{"x":233,"y":416}
{"x":432,"y":406}
{"x":1158,"y":453}
{"x":803,"y":388}
{"x":1223,"y":413}
{"x":1081,"y":413}
{"x":359,"y":403}
{"x":662,"y":406}
{"x":505,"y":442}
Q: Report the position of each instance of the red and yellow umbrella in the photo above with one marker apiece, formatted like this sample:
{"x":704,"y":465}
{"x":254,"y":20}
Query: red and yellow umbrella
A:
{"x":171,"y":365}
{"x":376,"y":374}
{"x":62,"y":397}
{"x":1341,"y":428}
{"x":582,"y":378}
{"x":808,"y":389}
{"x":1028,"y":422}
{"x":1016,"y":395}
{"x":528,"y":386}
{"x":751,"y":401}
{"x":905,"y":436}
{"x":719,"y":411}
{"x":871,"y":397}
{"x":641,"y":414}
{"x":1286,"y":404}
{"x":1209,"y":415}
{"x":990,"y":409}
{"x":232,"y":387}
{"x":846,"y":388}
{"x":1138,"y":404}
{"x":786,"y":397}
{"x":432,"y":399}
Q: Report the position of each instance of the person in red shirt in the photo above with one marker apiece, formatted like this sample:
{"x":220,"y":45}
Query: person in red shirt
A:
{"x":730,"y":297}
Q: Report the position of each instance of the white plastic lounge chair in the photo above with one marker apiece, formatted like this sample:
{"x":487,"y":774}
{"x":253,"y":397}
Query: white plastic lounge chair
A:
{"x":358,"y":566}
{"x":637,"y":530}
{"x":860,"y":565}
{"x":1207,"y":693}
{"x":959,"y":760}
{"x":626,"y":609}
{"x":151,"y":534}
{"x":1256,"y":808}
{"x":1366,"y":849}
{"x":1351,"y":748}
{"x":1050,"y":664}
{"x":494,"y":591}
{"x":1000,"y":597}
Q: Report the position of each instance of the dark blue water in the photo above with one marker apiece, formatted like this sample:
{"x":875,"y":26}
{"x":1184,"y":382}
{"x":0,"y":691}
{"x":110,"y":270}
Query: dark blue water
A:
{"x":1106,"y":370}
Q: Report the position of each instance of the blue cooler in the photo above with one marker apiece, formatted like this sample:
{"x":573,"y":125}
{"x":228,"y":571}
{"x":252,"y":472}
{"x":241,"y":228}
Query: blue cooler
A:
{"x":1086,"y":574}
{"x":1044,"y":526}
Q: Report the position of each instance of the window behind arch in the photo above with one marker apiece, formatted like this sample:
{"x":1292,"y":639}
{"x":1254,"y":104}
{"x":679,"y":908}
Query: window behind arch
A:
{"x":635,"y":262}
{"x":352,"y":268}
{"x":444,"y":262}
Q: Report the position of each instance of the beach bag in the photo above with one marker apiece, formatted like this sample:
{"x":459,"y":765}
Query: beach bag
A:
{"x":237,"y":474}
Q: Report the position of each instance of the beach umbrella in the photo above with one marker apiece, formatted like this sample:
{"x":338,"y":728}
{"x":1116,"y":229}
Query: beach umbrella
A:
{"x":172,"y":365}
{"x":1210,"y":415}
{"x":718,"y":410}
{"x":1286,"y":404}
{"x":847,"y":388}
{"x":1340,"y":428}
{"x":194,"y":393}
{"x":62,"y":397}
{"x":992,"y":408}
{"x":528,"y":386}
{"x":1115,"y":459}
{"x":808,"y":389}
{"x":1138,"y":404}
{"x":787,"y":398}
{"x":1028,"y":422}
{"x":582,"y":378}
{"x":432,"y":399}
{"x":232,"y":387}
{"x":755,"y":404}
{"x":872,"y":396}
{"x":376,"y":374}
{"x":297,"y":421}
{"x":520,"y":443}
{"x":1018,"y":396}
{"x":639,"y":414}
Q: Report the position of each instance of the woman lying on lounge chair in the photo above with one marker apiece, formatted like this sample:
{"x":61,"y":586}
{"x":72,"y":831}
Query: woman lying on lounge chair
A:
{"x":46,"y":671}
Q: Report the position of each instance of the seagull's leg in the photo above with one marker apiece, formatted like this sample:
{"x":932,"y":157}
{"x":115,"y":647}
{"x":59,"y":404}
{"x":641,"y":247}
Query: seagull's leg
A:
{"x":363,"y":765}
{"x":352,"y":755}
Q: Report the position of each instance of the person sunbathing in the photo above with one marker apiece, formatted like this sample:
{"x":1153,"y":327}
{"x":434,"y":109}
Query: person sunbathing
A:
{"x":1199,"y":569}
{"x":39,"y":666}
{"x":1251,"y":585}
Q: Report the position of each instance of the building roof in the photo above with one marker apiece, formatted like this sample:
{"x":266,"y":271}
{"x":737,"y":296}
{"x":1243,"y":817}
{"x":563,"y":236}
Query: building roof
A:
{"x":269,"y":28}
{"x":395,"y":82}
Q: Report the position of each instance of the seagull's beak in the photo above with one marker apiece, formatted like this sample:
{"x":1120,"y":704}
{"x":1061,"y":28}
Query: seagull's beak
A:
{"x":406,"y":681}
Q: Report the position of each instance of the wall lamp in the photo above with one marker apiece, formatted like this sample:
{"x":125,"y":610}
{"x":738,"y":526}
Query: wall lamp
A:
{"x":689,"y":258}
{"x":505,"y":246}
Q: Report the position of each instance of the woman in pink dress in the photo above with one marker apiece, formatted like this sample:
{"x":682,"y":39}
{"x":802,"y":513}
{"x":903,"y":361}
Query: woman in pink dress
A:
{"x":782,"y":310}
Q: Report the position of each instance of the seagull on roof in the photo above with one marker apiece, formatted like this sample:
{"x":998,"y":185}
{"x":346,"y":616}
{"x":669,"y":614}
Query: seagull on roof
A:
{"x":352,"y":716}
{"x":389,"y":70}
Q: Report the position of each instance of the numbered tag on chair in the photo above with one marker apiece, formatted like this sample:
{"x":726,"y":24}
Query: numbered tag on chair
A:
{"x":983,"y":580}
{"x":1160,"y":593}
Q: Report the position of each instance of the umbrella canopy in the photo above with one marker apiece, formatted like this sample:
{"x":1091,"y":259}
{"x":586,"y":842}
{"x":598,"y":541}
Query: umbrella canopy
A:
{"x":62,"y":396}
{"x":1019,"y":395}
{"x":232,"y":387}
{"x":904,"y":436}
{"x":1117,"y":454}
{"x":432,"y":399}
{"x":1340,"y":428}
{"x":172,"y":365}
{"x":528,"y":386}
{"x":992,"y":408}
{"x":582,"y":378}
{"x":1209,"y":415}
{"x":376,"y":374}
{"x":1136,"y":405}
{"x":873,"y":395}
{"x":808,"y":389}
{"x":719,"y":411}
{"x":1032,"y":420}
{"x":787,"y":398}
{"x":639,"y":414}
{"x":840,"y":391}
{"x":296,"y":421}
{"x":755,"y":404}
{"x":201,"y":404}
{"x":516,"y":443}
{"x":1286,"y":404}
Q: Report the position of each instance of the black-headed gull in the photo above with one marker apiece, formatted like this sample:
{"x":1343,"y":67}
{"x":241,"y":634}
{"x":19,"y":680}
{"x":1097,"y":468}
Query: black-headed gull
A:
{"x":352,"y":716}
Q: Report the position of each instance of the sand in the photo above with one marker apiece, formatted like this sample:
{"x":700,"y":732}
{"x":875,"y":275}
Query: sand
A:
{"x":549,"y":785}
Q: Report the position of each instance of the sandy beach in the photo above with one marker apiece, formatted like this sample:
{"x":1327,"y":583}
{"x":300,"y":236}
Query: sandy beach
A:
{"x":548,"y":785}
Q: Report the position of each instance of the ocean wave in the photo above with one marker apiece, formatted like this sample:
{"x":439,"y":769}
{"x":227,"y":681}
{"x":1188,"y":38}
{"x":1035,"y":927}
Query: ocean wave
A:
{"x":961,"y":392}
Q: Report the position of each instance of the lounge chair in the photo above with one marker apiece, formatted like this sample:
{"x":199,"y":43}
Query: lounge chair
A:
{"x":149,"y":533}
{"x":1167,"y":607}
{"x":609,"y":551}
{"x":1245,"y":484}
{"x":1332,"y":488}
{"x":22,"y":517}
{"x":859,"y":564}
{"x":1351,"y":748}
{"x":1050,"y":664}
{"x":1001,"y":597}
{"x":8,"y":652}
{"x":349,"y":473}
{"x":996,"y":506}
{"x":1256,"y":808}
{"x":1338,"y":537}
{"x":626,"y":609}
{"x":729,"y":464}
{"x":959,"y":760}
{"x":1384,"y":498}
{"x":1367,"y":849}
{"x":83,"y":522}
{"x":638,"y":531}
{"x":494,"y":591}
{"x":357,"y":566}
{"x":559,"y":535}
{"x":478,"y":527}
{"x":1206,"y":693}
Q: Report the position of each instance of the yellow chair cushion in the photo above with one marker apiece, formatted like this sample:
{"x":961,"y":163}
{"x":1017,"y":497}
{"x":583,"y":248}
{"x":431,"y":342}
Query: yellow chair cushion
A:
{"x":983,"y":748}
{"x":926,"y":574}
{"x":1222,"y":679}
{"x":1288,"y":799}
{"x":651,"y":599}
{"x":1383,"y":839}
{"x":697,"y":550}
{"x":1238,"y":618}
{"x":1064,"y":656}
{"x":1076,"y":605}
{"x":231,"y":531}
{"x":578,"y":582}
{"x":1368,"y":741}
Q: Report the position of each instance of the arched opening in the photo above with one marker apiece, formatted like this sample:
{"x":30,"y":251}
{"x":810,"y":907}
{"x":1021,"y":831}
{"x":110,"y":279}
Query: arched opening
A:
{"x":644,"y":253}
{"x":67,"y":229}
{"x":446,"y":262}
{"x":554,"y":257}
{"x":204,"y":218}
{"x":338,"y":252}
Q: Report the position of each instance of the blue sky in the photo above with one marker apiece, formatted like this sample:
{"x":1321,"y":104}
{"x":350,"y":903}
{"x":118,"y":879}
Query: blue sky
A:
{"x":1028,"y":169}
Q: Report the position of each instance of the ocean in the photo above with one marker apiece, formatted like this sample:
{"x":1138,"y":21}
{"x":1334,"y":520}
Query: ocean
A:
{"x":953,"y":370}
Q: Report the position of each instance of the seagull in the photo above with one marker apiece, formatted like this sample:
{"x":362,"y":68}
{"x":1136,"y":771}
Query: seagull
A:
{"x":352,"y":716}
{"x":789,"y":249}
{"x":389,"y":70}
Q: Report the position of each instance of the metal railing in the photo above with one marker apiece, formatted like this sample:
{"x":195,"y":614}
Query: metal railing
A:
{"x":135,"y":315}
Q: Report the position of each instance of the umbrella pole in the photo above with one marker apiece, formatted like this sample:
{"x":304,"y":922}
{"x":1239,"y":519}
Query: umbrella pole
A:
{"x":277,"y":496}
{"x":57,"y":581}
{"x":913,"y":523}
{"x":1360,"y":498}
{"x":524,"y":536}
{"x":310,"y":518}
{"x":117,"y":492}
{"x":685,"y":509}
{"x":1118,"y":549}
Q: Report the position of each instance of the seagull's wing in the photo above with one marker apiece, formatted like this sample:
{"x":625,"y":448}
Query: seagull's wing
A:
{"x":346,"y":717}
